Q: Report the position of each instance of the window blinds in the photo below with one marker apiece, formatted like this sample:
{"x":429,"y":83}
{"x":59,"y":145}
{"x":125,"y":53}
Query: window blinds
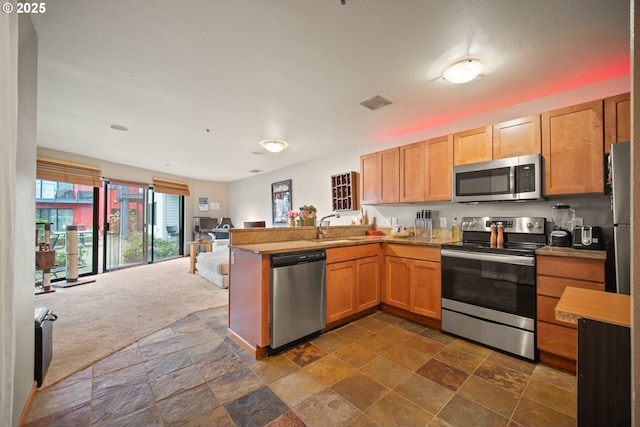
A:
{"x":161,"y":185}
{"x":74,"y":173}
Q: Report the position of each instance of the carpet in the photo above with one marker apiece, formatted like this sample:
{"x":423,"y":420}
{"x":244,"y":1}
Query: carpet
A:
{"x":98,"y":319}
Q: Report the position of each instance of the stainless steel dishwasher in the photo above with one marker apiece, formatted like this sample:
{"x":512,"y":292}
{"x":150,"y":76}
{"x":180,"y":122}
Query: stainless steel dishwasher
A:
{"x":297,"y":308}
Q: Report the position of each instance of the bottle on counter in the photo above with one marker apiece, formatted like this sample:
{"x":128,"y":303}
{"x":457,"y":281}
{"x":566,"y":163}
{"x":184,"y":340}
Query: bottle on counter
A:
{"x":361,"y":217}
{"x":500,"y":237}
{"x":365,"y":220}
{"x":455,"y":230}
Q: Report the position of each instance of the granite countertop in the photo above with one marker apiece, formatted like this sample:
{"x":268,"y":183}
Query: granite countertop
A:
{"x":572,"y":253}
{"x":604,"y":307}
{"x":298,"y":245}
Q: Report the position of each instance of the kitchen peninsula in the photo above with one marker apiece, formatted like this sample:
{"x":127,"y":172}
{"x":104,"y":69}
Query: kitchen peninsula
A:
{"x":351,"y":252}
{"x":604,"y":354}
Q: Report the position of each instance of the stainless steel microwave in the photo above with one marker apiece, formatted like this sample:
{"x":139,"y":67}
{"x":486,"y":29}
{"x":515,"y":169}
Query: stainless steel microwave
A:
{"x":510,"y":179}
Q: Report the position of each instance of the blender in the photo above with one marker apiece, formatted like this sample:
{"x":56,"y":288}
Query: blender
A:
{"x":563,"y":221}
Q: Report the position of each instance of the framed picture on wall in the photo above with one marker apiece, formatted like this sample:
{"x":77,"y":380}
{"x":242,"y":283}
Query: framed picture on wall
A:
{"x":281,"y":201}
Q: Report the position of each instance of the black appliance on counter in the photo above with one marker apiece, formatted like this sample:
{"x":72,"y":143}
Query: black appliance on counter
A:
{"x":588,"y":237}
{"x":43,"y":343}
{"x":489,"y":292}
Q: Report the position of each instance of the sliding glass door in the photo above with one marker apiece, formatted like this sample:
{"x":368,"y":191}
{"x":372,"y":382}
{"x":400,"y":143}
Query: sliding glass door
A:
{"x":125,"y":232}
{"x":165,"y":227}
{"x":63,"y":204}
{"x":140,"y":226}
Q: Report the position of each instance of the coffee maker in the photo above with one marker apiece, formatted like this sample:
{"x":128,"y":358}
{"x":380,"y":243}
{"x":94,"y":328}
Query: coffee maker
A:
{"x":563,"y":222}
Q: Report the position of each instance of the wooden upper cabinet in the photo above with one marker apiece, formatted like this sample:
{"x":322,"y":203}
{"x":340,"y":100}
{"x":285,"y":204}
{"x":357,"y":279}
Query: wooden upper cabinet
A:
{"x":438,"y":163}
{"x":412,"y":172}
{"x":472,"y":146}
{"x":517,"y":137}
{"x":390,"y":176}
{"x":573,"y":149}
{"x":370,"y":178}
{"x":617,"y":120}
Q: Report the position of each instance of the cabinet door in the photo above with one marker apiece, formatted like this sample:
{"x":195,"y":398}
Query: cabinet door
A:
{"x":389,"y":176}
{"x":617,"y":120}
{"x":397,"y":276}
{"x":367,"y":283}
{"x":412,"y":172}
{"x":572,"y":146}
{"x":341,"y":279}
{"x":517,"y":137}
{"x":370,"y":178}
{"x":472,"y":146}
{"x":425,"y":288}
{"x":438,"y":163}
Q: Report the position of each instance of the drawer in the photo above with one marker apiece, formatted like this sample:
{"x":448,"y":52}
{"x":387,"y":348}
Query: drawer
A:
{"x":557,"y":340}
{"x":413,"y":252}
{"x":571,"y":268}
{"x":555,"y":286}
{"x":348,"y":253}
{"x":547,"y":311}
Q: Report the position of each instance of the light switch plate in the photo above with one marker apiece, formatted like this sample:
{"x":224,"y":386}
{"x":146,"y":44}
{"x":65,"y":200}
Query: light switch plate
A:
{"x":443,"y":222}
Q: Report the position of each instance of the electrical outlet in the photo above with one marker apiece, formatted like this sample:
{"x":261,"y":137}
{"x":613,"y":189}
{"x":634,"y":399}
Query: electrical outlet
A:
{"x":443,"y":222}
{"x":389,"y":222}
{"x":579,"y":222}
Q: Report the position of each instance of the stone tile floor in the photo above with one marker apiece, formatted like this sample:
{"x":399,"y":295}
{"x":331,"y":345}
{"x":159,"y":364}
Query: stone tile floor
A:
{"x":378,"y":371}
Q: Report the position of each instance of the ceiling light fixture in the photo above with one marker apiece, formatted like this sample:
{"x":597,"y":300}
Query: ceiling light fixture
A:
{"x":463,"y":71}
{"x":274,"y":145}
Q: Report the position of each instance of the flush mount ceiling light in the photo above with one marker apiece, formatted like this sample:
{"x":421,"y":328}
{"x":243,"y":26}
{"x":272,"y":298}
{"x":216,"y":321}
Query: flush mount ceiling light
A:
{"x":274,"y":145}
{"x":463,"y":71}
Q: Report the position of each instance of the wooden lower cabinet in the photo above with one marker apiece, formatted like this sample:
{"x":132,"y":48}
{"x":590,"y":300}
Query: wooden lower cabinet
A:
{"x":353,"y":281}
{"x":558,"y":340}
{"x":425,"y":292}
{"x":341,"y":279}
{"x":367,"y":283}
{"x":411,"y":284}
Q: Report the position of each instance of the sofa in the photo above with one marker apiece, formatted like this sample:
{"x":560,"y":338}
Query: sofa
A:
{"x":214,"y":265}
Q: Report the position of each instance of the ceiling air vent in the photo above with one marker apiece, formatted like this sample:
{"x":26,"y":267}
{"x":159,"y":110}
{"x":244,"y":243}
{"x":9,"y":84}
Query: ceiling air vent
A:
{"x":377,"y":102}
{"x":255,"y":171}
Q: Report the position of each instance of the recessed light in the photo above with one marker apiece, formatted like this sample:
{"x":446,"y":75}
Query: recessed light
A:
{"x":463,"y":71}
{"x":274,"y":145}
{"x":119,"y":127}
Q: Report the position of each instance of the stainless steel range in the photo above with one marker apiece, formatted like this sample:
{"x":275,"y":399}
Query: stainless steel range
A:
{"x":489,"y":290}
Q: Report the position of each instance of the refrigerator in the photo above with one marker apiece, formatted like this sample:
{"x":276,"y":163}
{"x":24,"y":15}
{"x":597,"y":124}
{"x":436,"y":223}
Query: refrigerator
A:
{"x":620,"y":166}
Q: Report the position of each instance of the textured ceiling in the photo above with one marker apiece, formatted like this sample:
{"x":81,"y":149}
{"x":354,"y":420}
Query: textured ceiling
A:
{"x":200,"y":82}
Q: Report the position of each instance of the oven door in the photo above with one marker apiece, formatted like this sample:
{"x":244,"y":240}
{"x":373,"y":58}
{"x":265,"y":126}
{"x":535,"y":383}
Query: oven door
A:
{"x":502,"y":283}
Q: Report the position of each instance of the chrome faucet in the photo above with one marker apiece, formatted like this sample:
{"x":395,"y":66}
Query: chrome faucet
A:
{"x":323,"y":231}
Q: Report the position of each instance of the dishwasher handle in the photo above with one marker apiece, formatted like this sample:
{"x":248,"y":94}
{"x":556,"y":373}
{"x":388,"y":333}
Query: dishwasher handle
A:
{"x":293,"y":258}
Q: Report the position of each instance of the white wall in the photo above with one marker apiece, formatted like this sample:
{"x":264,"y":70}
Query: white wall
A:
{"x":250,"y":198}
{"x":17,"y":247}
{"x":25,"y":224}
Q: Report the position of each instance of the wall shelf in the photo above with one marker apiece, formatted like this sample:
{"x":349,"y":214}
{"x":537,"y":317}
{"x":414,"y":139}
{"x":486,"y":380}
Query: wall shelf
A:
{"x":344,"y":191}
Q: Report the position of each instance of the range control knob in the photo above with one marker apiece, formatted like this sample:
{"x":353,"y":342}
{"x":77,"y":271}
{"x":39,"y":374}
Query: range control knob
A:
{"x":471,"y":224}
{"x":529,"y":225}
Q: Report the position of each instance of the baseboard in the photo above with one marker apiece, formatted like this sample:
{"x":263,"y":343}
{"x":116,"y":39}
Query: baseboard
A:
{"x":24,"y":416}
{"x":256,"y":352}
